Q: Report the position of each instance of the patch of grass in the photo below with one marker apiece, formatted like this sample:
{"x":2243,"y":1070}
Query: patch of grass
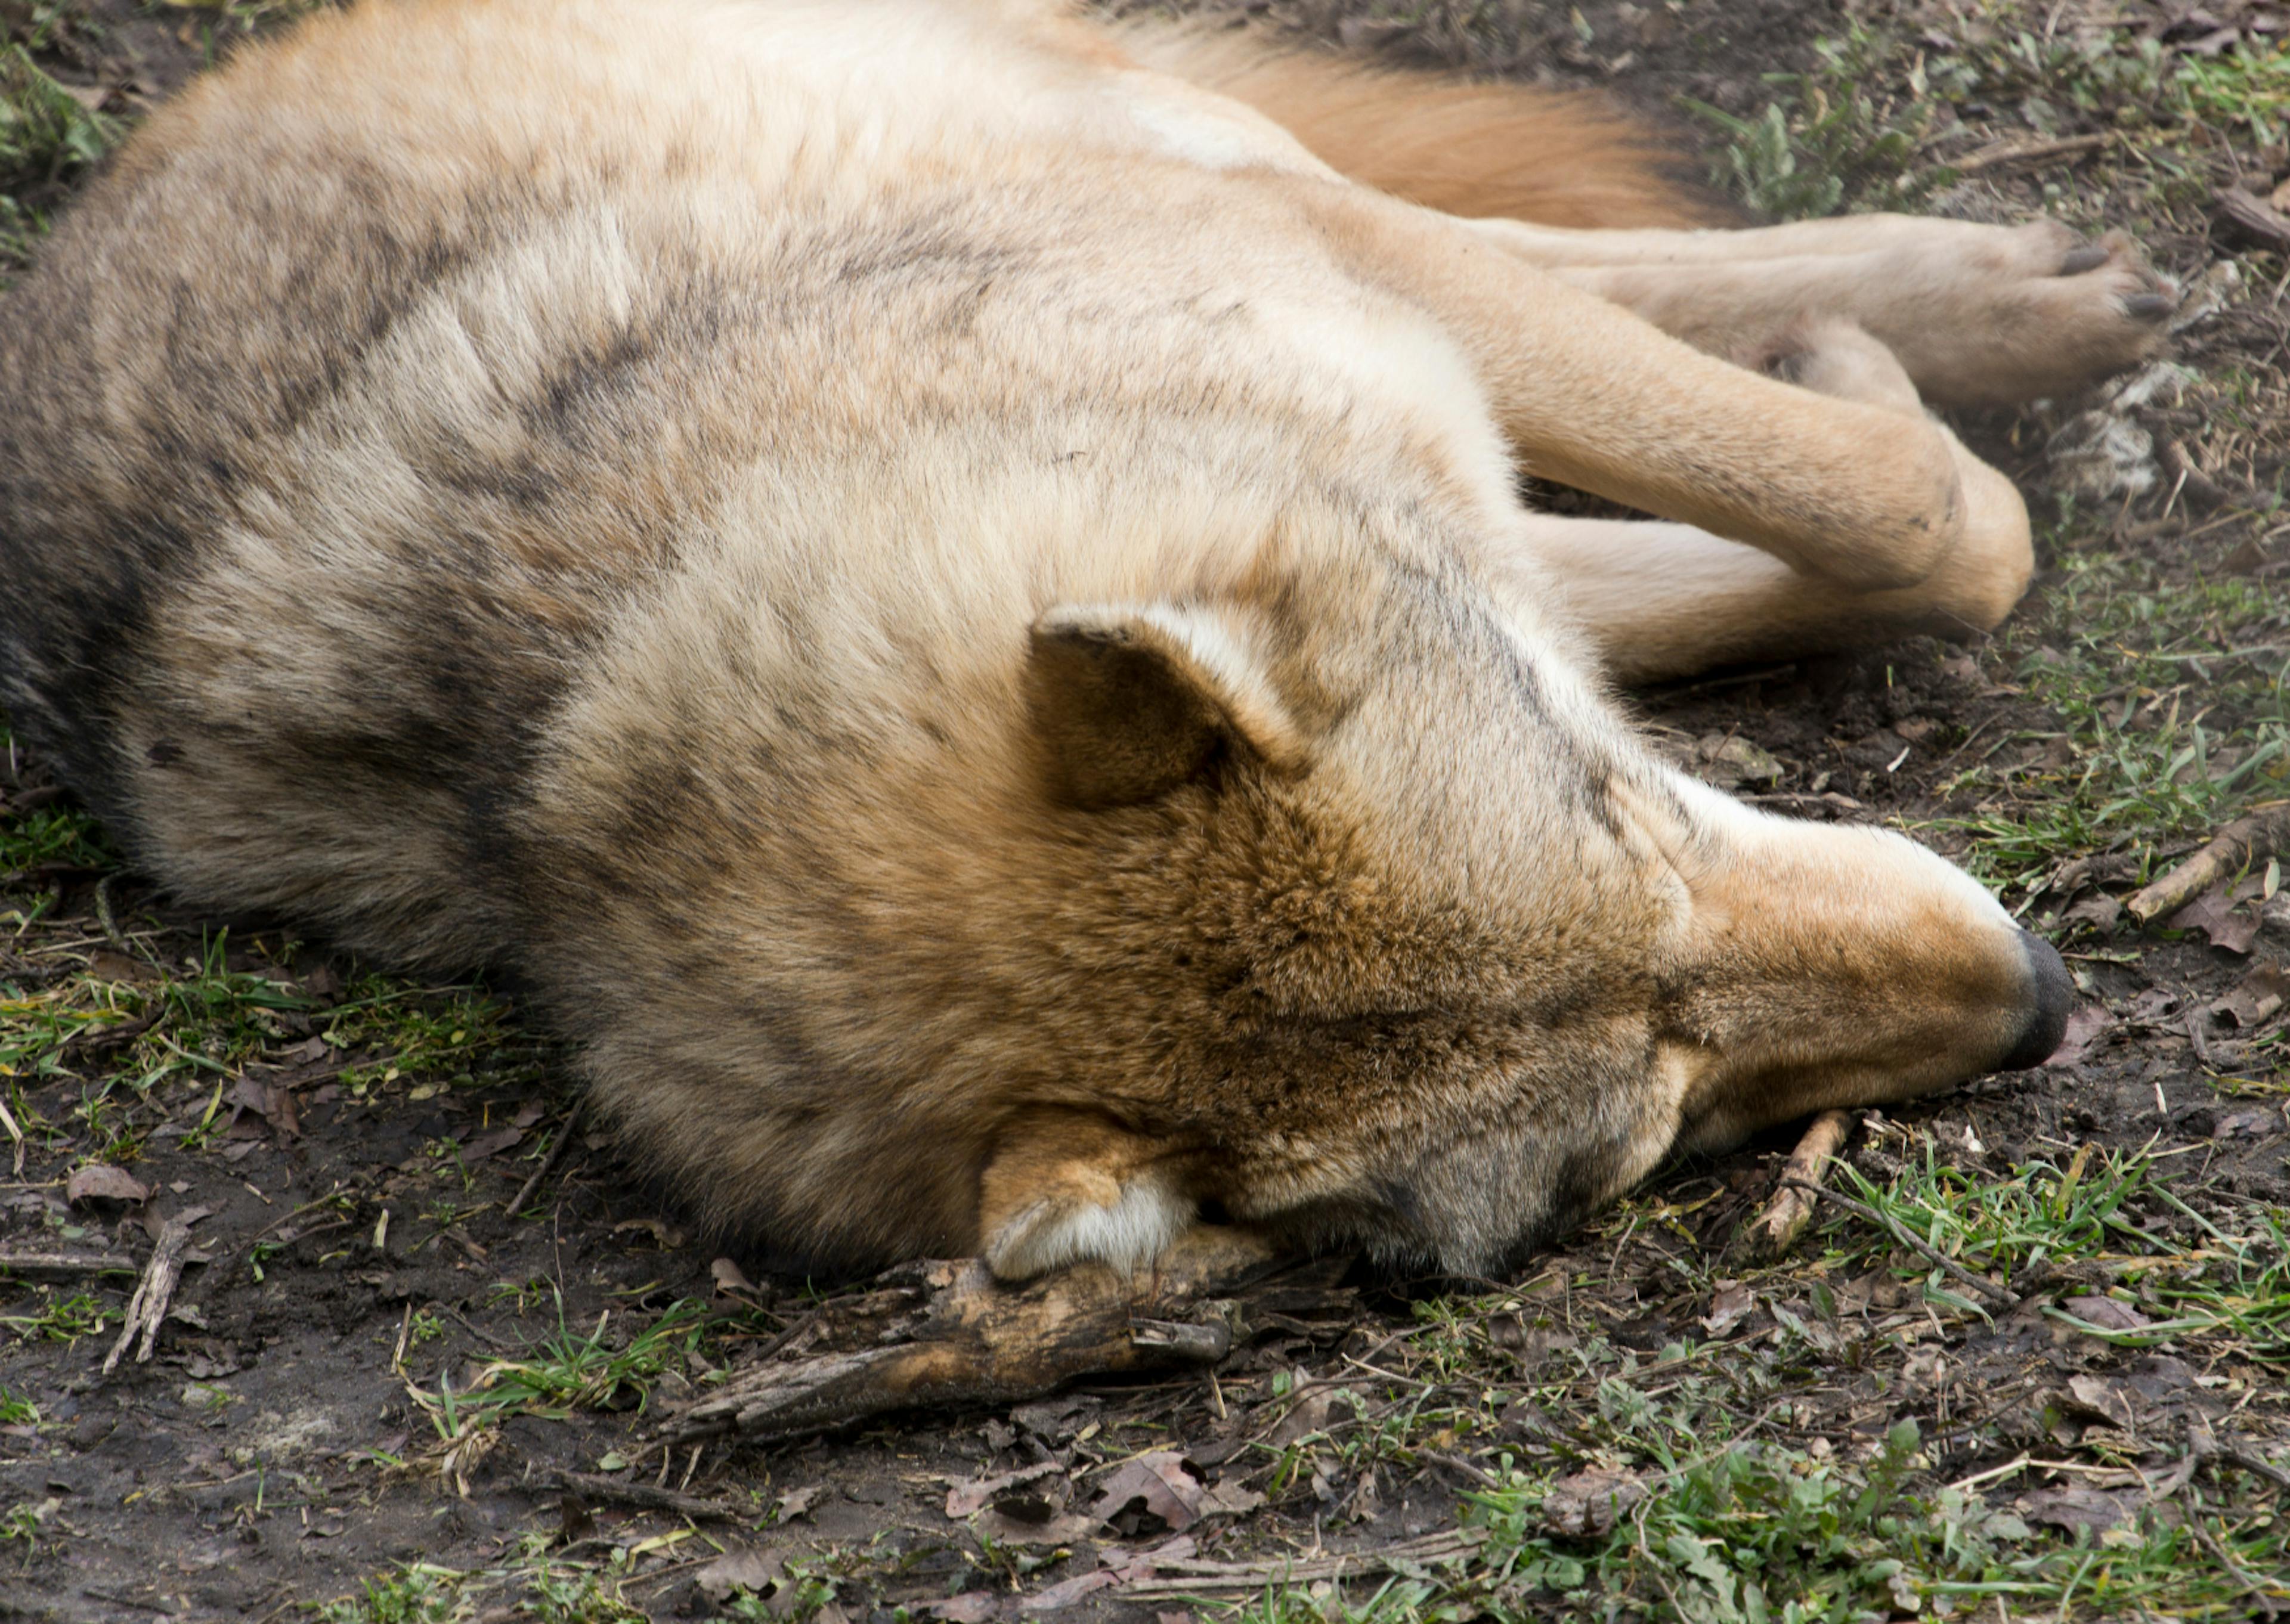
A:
{"x":2042,"y":1216}
{"x":1831,"y":137}
{"x":60,"y":1318}
{"x":2223,"y":1285}
{"x":534,"y":1586}
{"x":59,"y":835}
{"x":46,"y":137}
{"x":21,"y":1525}
{"x":2172,"y":716}
{"x":1730,"y":1512}
{"x":16,"y":1410}
{"x":562,"y":1373}
{"x":196,"y":1020}
{"x":437,"y":1036}
{"x":2119,"y":77}
{"x":1852,"y":133}
{"x":422,"y":1594}
{"x":1736,"y":1529}
{"x":199,"y":1021}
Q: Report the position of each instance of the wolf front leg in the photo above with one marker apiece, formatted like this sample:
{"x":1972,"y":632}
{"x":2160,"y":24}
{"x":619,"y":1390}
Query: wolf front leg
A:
{"x":1663,"y":600}
{"x":1594,"y":396}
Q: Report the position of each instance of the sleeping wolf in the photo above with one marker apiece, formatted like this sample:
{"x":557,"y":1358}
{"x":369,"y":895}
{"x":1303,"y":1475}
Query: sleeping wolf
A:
{"x":945,"y":585}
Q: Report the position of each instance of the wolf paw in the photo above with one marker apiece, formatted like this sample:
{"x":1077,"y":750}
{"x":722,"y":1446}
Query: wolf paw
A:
{"x":2015,"y":313}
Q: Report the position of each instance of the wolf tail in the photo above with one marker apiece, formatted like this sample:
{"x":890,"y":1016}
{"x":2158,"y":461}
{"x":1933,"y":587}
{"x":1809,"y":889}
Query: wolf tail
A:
{"x":1464,"y":146}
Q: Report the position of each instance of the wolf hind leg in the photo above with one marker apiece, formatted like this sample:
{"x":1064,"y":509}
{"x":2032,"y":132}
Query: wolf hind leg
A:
{"x":1979,"y":315}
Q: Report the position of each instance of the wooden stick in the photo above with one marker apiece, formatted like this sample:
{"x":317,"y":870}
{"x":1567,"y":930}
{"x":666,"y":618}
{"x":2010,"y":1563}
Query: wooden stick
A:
{"x":1177,"y":1579}
{"x":148,"y":1306}
{"x":15,"y":1133}
{"x":64,"y":1265}
{"x":556,"y":1153}
{"x":2027,"y":152}
{"x":2255,"y":216}
{"x":2000,"y":1295}
{"x":981,"y":1341}
{"x":1777,"y":1230}
{"x":2258,"y":835}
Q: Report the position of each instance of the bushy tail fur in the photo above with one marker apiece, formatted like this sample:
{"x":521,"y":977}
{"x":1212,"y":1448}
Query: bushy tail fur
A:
{"x":1467,"y":146}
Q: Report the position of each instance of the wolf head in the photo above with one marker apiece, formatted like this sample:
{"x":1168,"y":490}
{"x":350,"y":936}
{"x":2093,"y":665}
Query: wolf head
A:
{"x":1413,"y":945}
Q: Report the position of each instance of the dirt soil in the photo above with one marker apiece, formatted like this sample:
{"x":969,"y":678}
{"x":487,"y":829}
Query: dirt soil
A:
{"x":427,"y":1324}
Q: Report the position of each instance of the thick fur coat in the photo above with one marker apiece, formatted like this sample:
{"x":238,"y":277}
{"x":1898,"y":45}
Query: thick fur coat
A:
{"x":952,"y":599}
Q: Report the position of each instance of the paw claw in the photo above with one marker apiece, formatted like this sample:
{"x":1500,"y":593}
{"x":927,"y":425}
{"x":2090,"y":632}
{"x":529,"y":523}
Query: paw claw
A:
{"x":2148,"y":306}
{"x":2091,"y":256}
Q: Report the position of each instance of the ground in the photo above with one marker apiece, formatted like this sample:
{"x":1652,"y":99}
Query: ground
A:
{"x":2032,"y":1367}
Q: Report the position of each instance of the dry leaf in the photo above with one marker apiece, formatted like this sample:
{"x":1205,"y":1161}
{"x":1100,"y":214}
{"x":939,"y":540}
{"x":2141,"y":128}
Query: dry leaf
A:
{"x":2107,"y":1314}
{"x":753,"y":1571}
{"x":492,"y":1144}
{"x":1158,"y":1483}
{"x":1005,"y":1527}
{"x":1309,"y":1415}
{"x":1731,"y":761}
{"x":96,"y":1182}
{"x":1729,"y":1308}
{"x":106,"y":965}
{"x":273,"y":1104}
{"x":665,"y":1235}
{"x":2257,"y":998}
{"x":1229,"y":1499}
{"x":2087,"y":1024}
{"x":967,"y":1500}
{"x":1589,"y":1504}
{"x":2105,"y":1400}
{"x":2252,"y":1122}
{"x":2073,"y":1507}
{"x":730,"y":1277}
{"x":2215,"y":915}
{"x":2099,"y":910}
{"x":797,"y":1502}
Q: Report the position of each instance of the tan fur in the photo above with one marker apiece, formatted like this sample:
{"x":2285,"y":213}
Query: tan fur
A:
{"x":1465,"y":147}
{"x":955,"y":606}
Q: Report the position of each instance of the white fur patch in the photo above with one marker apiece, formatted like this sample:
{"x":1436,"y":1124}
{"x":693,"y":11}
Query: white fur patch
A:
{"x":1130,"y":1234}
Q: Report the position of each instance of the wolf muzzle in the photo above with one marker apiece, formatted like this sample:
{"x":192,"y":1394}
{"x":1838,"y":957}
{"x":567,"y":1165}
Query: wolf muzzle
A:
{"x":2052,"y":995}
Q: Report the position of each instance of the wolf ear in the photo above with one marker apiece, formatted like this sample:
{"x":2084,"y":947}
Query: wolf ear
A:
{"x":1130,"y":701}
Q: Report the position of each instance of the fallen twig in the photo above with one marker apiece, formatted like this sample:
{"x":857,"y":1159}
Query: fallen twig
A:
{"x":64,"y":1265}
{"x":2252,"y":1590}
{"x":1193,"y":1577}
{"x":2028,"y":152}
{"x":556,"y":1154}
{"x":2002,"y":1296}
{"x":16,"y":1134}
{"x":1791,"y":1209}
{"x":2256,"y":1466}
{"x":2251,"y":838}
{"x":2255,"y":216}
{"x":978,"y":1340}
{"x":93,"y":1040}
{"x":148,"y":1308}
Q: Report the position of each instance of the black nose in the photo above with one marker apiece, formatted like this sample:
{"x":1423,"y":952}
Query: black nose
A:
{"x":2047,"y":1010}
